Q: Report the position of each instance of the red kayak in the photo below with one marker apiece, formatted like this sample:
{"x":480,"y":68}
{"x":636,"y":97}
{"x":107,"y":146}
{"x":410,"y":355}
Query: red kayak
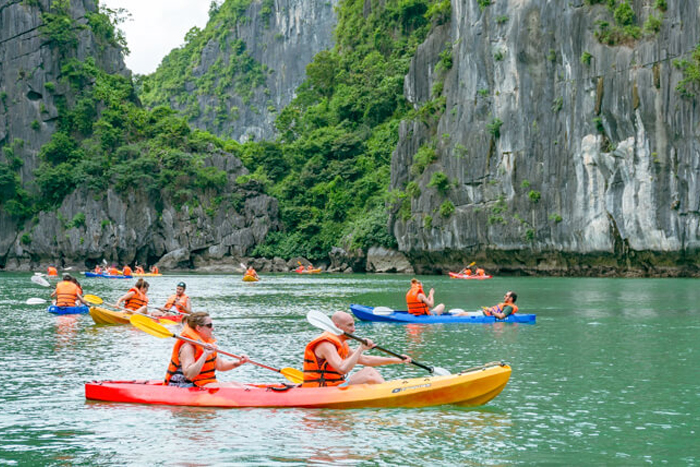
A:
{"x":472,"y":387}
{"x":456,"y":275}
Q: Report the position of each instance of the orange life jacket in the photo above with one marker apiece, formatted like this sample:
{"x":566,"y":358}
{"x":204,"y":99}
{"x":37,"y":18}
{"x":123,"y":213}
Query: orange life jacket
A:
{"x":155,"y":270}
{"x":480,"y":272}
{"x":250,"y":272}
{"x":467,"y":272}
{"x":139,"y":270}
{"x":114,"y":271}
{"x":52,"y":271}
{"x":317,"y":371}
{"x":98,"y":270}
{"x":207,"y":374}
{"x":179,"y":306}
{"x":415,"y":306}
{"x":137,"y":301}
{"x":66,"y":293}
{"x":499,"y":309}
{"x":127,"y":271}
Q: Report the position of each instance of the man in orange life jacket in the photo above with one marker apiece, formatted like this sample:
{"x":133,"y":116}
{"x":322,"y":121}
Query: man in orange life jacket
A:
{"x":179,"y":300}
{"x":505,"y":309}
{"x":420,"y":304}
{"x":328,"y":358}
{"x":67,"y":292}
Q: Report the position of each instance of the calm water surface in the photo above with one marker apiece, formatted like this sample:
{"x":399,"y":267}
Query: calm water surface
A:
{"x":608,"y":375}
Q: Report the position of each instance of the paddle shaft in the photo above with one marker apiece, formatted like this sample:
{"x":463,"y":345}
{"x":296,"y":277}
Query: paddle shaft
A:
{"x":359,"y":339}
{"x":192,"y":341}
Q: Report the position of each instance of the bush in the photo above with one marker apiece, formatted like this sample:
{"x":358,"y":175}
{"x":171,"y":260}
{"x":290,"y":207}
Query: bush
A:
{"x":495,"y":127}
{"x":440,"y":182}
{"x":413,"y":190}
{"x":534,"y":196}
{"x":586,"y":58}
{"x":425,"y":156}
{"x":447,"y":208}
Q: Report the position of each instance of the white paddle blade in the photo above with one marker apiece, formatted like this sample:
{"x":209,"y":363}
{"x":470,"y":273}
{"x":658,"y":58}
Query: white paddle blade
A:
{"x":321,"y":321}
{"x":437,"y":371}
{"x":456,"y":310}
{"x":69,"y":268}
{"x":40,"y":281}
{"x":35,"y":301}
{"x":382,"y":310}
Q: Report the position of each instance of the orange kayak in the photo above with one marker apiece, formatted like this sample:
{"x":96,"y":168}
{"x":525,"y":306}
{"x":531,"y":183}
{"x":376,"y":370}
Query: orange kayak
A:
{"x":471,"y":387}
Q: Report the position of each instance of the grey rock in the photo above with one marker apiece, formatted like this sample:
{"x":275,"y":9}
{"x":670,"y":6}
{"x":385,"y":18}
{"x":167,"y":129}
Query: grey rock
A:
{"x":380,"y":259}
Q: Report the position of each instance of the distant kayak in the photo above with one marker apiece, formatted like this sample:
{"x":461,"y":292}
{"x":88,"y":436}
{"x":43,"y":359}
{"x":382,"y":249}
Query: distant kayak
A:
{"x":308,"y":271}
{"x":146,"y":274}
{"x":248,"y":278}
{"x":469,"y":388}
{"x":68,"y":310}
{"x":104,"y":316}
{"x":366,"y":313}
{"x":456,"y":275}
{"x":107,"y":276}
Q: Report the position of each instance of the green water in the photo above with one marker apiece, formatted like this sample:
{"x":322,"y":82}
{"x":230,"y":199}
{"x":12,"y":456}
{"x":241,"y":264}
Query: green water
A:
{"x":609,"y":375}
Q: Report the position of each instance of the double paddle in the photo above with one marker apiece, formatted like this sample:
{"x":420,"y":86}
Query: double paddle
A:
{"x":155,"y":329}
{"x":321,"y":321}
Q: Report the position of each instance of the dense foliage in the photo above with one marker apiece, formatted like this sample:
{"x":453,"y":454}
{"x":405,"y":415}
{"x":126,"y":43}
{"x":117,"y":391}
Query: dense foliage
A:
{"x":104,"y":138}
{"x":179,"y":78}
{"x":330,"y":167}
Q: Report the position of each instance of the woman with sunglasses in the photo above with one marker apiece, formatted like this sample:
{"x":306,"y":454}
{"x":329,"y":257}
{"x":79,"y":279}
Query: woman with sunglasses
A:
{"x":196,"y":365}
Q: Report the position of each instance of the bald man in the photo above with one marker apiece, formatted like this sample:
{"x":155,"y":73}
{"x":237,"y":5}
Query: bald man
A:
{"x":328,"y":358}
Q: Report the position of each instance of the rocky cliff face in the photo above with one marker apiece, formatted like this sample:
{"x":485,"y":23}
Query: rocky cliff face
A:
{"x":90,"y":226}
{"x":283,"y":42}
{"x":561,"y":153}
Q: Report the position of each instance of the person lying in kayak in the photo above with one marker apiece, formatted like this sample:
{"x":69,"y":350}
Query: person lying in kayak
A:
{"x":500,"y":311}
{"x":67,"y":292}
{"x":135,"y":299}
{"x":420,"y":304}
{"x":179,"y":300}
{"x":328,"y":358}
{"x":193,"y":365}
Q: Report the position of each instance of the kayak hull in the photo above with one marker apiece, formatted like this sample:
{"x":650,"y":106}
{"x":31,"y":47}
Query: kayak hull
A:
{"x":68,"y":310}
{"x":148,"y":274}
{"x":472,"y":387}
{"x":107,"y":276}
{"x":456,"y":275}
{"x":366,"y":313}
{"x":308,"y":271}
{"x":250,"y":279}
{"x":104,"y":316}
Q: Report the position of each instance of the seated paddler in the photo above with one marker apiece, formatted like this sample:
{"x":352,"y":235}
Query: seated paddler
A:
{"x":328,"y":358}
{"x":196,"y":365}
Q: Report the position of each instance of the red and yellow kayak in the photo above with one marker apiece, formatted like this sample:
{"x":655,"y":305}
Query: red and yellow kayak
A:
{"x":472,"y":387}
{"x":105,"y":316}
{"x":456,"y":275}
{"x":308,"y":271}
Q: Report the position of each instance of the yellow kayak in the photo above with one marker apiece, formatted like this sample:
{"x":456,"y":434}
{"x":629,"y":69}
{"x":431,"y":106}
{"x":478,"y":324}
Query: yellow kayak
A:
{"x":105,"y":316}
{"x":250,"y":279}
{"x":147,"y":274}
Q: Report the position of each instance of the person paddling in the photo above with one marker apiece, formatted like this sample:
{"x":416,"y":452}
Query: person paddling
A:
{"x":193,"y":365}
{"x":135,"y":299}
{"x":420,"y":304}
{"x":67,"y":292}
{"x":126,"y":270}
{"x":51,"y":271}
{"x":328,"y":358}
{"x":251,"y":272}
{"x":179,"y":300}
{"x":500,"y":311}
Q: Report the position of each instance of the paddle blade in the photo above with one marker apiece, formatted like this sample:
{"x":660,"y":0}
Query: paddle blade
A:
{"x":440,"y":371}
{"x":146,"y":324}
{"x":321,"y":321}
{"x":35,"y":301}
{"x":382,"y":310}
{"x":456,"y":310}
{"x":93,"y":299}
{"x":293,"y":375}
{"x":40,"y":281}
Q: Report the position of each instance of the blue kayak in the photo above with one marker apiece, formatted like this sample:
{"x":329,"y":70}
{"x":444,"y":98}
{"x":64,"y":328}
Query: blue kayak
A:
{"x":68,"y":310}
{"x":106,"y":276}
{"x":366,"y":313}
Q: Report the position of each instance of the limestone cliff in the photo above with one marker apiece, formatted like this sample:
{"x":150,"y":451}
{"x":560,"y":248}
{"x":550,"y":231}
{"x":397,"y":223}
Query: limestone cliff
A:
{"x":137,"y":223}
{"x":559,"y":144}
{"x":245,"y":66}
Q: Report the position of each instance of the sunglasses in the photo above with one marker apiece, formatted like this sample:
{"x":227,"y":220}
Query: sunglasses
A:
{"x":208,"y":325}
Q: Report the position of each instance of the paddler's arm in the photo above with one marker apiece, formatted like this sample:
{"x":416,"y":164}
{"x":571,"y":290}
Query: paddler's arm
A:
{"x":507,"y":311}
{"x":125,"y":297}
{"x":226,"y":365}
{"x":371,"y":360}
{"x":328,"y":352}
